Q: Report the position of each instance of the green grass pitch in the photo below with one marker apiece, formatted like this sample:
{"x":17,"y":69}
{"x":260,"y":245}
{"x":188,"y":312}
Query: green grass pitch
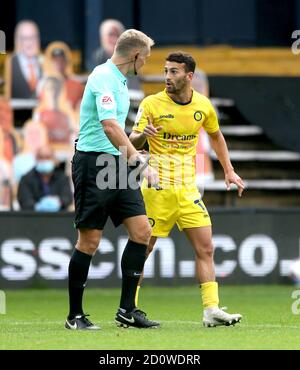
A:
{"x":35,"y":320}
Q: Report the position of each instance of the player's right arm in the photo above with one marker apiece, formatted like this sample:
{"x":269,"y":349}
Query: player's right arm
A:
{"x":143,"y":127}
{"x":138,"y":139}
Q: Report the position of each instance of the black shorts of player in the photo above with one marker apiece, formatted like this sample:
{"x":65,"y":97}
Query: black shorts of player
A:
{"x":94,"y":205}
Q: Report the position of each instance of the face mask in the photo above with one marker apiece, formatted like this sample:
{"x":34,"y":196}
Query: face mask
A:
{"x":45,"y":166}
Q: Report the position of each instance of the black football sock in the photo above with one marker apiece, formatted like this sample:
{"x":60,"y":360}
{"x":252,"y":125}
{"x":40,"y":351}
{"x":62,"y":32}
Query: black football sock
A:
{"x":78,"y":272}
{"x":132,"y":265}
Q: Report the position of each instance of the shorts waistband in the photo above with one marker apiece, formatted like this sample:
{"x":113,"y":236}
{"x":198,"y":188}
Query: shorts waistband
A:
{"x":97,"y":153}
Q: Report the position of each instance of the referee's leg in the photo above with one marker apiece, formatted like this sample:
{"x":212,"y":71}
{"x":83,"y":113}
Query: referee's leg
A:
{"x":87,"y":244}
{"x":132,"y":265}
{"x":133,"y":258}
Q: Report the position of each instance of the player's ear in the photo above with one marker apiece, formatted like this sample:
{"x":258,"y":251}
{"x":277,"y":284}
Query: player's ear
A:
{"x":190,"y":75}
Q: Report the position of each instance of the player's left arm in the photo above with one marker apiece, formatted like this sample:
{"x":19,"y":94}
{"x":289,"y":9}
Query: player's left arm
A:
{"x":219,"y":145}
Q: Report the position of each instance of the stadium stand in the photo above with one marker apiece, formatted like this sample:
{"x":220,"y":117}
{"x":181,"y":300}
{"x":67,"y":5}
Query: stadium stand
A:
{"x":271,"y":172}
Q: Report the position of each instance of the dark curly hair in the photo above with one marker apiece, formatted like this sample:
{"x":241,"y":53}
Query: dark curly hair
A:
{"x":181,"y":57}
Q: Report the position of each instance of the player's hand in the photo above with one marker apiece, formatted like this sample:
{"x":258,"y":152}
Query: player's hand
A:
{"x":150,"y":130}
{"x":151,"y":175}
{"x":233,"y":178}
{"x":143,"y":152}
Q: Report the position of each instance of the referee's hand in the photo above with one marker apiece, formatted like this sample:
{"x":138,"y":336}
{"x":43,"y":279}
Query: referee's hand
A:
{"x":151,"y":175}
{"x":150,"y":130}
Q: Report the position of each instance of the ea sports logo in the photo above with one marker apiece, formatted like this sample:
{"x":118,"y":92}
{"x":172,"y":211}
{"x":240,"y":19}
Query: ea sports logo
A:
{"x":106,"y":100}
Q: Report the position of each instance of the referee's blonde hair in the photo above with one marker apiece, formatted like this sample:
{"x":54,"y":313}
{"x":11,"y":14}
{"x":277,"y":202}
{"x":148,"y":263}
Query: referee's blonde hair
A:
{"x":132,"y":40}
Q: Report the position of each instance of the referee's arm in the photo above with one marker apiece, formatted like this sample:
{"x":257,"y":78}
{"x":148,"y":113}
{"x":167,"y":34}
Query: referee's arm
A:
{"x":118,"y":138}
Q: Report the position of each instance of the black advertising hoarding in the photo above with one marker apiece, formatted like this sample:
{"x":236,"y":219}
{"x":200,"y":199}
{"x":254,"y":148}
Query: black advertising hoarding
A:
{"x":251,"y":246}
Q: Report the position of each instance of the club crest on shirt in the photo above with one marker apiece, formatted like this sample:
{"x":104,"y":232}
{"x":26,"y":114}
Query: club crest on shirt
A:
{"x":151,"y":222}
{"x":107,"y":101}
{"x":198,"y":116}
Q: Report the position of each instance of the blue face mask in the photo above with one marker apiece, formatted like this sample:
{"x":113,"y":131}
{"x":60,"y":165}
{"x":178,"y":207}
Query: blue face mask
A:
{"x":45,"y":167}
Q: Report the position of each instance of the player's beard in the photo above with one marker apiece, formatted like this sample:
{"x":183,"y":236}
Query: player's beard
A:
{"x":176,"y":88}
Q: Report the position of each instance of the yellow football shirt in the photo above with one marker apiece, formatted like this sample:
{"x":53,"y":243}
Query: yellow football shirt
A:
{"x":173,"y":149}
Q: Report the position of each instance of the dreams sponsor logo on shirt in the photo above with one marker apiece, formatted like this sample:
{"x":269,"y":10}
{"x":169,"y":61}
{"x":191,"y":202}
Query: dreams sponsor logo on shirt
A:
{"x":168,"y":136}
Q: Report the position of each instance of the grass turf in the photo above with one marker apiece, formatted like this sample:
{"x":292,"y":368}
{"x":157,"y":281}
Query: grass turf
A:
{"x":35,"y":320}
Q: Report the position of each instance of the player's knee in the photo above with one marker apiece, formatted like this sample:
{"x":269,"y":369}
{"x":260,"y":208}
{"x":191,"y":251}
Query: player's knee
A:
{"x":209,"y":249}
{"x":142,"y":235}
{"x":206,"y":250}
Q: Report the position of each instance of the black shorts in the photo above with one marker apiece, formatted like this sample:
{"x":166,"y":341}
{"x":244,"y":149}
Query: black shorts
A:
{"x":93,"y":205}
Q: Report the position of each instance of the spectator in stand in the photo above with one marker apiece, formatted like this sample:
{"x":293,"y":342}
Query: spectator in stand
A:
{"x":58,"y":62}
{"x":35,"y":136}
{"x":5,"y":177}
{"x":23,"y":68}
{"x":109,"y":32}
{"x":55,"y":112}
{"x":11,"y":140}
{"x":44,"y":188}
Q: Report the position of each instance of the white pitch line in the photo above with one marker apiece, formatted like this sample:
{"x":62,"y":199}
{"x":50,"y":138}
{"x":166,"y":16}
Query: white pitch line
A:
{"x":180,"y":322}
{"x":273,"y":326}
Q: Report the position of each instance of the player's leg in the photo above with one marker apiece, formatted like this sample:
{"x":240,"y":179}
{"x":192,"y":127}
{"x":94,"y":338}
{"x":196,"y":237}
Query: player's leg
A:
{"x":87,"y":244}
{"x":162,"y":210}
{"x":149,"y":250}
{"x":132,"y":265}
{"x":201,"y":240}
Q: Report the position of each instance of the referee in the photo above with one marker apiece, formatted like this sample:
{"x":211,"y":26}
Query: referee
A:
{"x":103,"y":112}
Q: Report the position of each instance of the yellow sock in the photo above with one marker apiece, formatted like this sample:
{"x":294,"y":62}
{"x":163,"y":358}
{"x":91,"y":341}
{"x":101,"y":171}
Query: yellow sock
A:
{"x":136,"y":300}
{"x":209,"y":293}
